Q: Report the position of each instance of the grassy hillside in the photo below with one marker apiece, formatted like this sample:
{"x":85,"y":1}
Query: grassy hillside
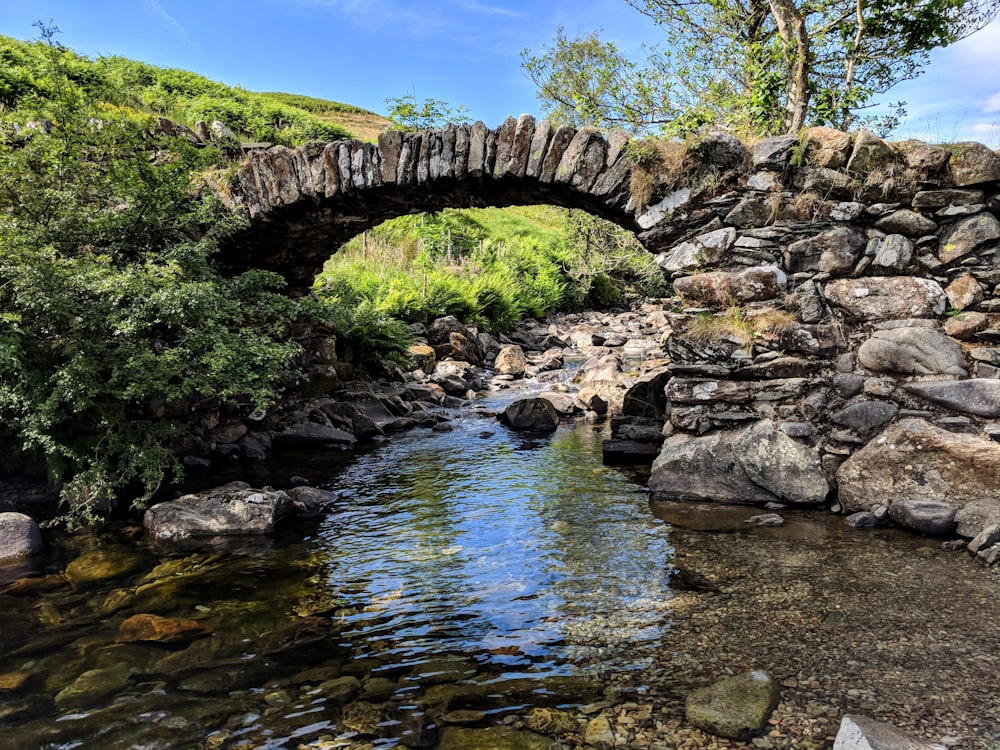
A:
{"x":29,"y":88}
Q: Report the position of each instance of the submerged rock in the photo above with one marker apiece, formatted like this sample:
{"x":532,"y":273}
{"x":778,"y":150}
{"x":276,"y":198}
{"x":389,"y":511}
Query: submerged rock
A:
{"x":492,"y":738}
{"x":736,"y":707}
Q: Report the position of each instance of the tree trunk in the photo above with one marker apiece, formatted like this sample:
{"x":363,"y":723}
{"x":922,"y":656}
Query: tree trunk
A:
{"x":792,"y":29}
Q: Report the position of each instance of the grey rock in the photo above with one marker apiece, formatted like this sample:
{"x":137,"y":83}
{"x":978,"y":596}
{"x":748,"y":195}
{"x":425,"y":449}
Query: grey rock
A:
{"x":766,"y":519}
{"x":864,"y":416}
{"x":233,"y":509}
{"x":881,"y":298}
{"x":941,"y":198}
{"x":838,"y":248}
{"x":893,"y":251}
{"x":978,"y":396}
{"x":705,"y":249}
{"x":863,"y":519}
{"x":925,"y":516}
{"x":736,"y":707}
{"x":773,"y":153}
{"x":863,"y":733}
{"x":781,"y":465}
{"x":987,"y":538}
{"x":912,"y":351}
{"x":530,"y":415}
{"x":914,"y":459}
{"x":19,"y":537}
{"x":309,"y":435}
{"x":721,"y":150}
{"x":967,"y":236}
{"x":869,"y":152}
{"x":906,"y":222}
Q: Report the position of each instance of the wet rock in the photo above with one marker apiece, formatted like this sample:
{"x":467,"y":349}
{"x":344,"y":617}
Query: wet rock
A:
{"x":925,"y":516}
{"x":978,"y":396}
{"x":492,"y":738}
{"x":310,"y":500}
{"x":101,"y":565}
{"x":309,"y":435}
{"x":912,"y":351}
{"x":157,"y":629}
{"x":863,"y":733}
{"x":599,"y":734}
{"x":646,"y":398}
{"x":550,"y":721}
{"x":564,"y":403}
{"x":914,"y":459}
{"x":93,"y":686}
{"x":736,"y":708}
{"x":223,"y":511}
{"x":864,"y":519}
{"x":340,"y":690}
{"x":530,"y":415}
{"x":766,"y":519}
{"x":620,"y":452}
{"x":20,"y":537}
{"x":882,"y":298}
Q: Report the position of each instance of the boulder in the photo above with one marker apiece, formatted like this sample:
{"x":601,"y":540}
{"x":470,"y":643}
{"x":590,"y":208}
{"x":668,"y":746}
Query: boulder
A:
{"x":881,"y":298}
{"x":94,"y":686}
{"x":913,"y":459}
{"x":149,"y":628}
{"x":865,"y":416}
{"x":224,"y":511}
{"x":530,"y":415}
{"x":19,"y":537}
{"x":863,"y":733}
{"x":510,"y":360}
{"x":492,"y":738}
{"x":894,"y":252}
{"x":736,"y":708}
{"x":964,"y":291}
{"x":913,"y":351}
{"x":759,"y":464}
{"x":925,"y":516}
{"x":774,"y":153}
{"x":827,"y":147}
{"x":869,"y":152}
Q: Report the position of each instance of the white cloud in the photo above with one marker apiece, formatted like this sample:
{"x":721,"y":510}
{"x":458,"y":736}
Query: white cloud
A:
{"x":494,"y":10}
{"x":992,"y":104}
{"x":169,"y":21}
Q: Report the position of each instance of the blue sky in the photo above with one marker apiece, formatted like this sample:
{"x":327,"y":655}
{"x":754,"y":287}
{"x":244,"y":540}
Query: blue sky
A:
{"x":461,"y":51}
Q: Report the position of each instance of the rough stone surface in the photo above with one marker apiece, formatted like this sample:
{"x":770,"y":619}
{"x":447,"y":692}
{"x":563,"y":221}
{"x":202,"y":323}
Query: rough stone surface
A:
{"x":736,"y":708}
{"x":881,"y":298}
{"x":19,"y":537}
{"x":914,"y":459}
{"x":925,"y":516}
{"x":973,"y":164}
{"x":530,"y":415}
{"x":510,"y":361}
{"x":223,"y":511}
{"x":967,"y":236}
{"x":864,"y":733}
{"x":978,"y":396}
{"x":912,"y":351}
{"x":492,"y":738}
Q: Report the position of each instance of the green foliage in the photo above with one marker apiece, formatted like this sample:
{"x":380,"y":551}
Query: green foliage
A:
{"x":405,"y":113}
{"x":113,"y":322}
{"x":753,"y":66}
{"x":140,"y":90}
{"x":491,"y":267}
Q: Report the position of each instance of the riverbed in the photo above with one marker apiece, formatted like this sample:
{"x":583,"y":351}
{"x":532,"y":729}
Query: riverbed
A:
{"x":470,"y":577}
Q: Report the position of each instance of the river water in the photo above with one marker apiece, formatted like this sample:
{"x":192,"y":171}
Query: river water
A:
{"x":465,"y":577}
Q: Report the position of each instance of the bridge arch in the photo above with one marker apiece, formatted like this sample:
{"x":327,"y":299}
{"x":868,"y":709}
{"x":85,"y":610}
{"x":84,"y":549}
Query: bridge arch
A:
{"x":304,"y":203}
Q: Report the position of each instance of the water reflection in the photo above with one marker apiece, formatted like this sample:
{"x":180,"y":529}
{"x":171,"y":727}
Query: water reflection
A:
{"x":497,"y":546}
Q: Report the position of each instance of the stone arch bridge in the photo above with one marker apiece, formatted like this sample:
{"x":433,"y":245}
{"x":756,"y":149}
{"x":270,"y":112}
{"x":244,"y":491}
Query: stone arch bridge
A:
{"x":303,"y":203}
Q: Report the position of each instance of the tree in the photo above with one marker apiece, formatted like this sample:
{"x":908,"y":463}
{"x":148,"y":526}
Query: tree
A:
{"x":762,"y":66}
{"x":405,"y":113}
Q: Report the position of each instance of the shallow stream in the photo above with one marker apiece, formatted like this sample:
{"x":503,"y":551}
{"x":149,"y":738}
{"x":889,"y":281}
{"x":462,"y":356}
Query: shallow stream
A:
{"x":465,"y":577}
